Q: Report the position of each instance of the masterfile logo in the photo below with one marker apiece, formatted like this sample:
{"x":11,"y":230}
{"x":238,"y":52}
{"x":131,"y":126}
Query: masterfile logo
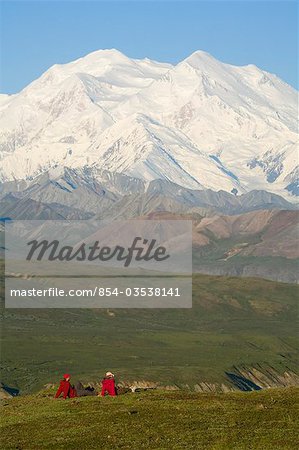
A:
{"x":141,"y":249}
{"x":138,"y":263}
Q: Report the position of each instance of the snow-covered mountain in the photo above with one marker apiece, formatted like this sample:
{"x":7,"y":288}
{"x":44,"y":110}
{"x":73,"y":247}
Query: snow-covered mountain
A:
{"x":201,"y":124}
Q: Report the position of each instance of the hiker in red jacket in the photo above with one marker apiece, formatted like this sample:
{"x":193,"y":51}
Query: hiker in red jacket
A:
{"x":66,"y":388}
{"x":108,"y":385}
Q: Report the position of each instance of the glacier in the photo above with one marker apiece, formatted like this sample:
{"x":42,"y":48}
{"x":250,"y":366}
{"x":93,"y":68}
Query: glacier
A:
{"x":200,"y":124}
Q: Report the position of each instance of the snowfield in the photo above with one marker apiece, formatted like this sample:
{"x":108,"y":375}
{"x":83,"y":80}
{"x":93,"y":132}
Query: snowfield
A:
{"x":201,"y":124}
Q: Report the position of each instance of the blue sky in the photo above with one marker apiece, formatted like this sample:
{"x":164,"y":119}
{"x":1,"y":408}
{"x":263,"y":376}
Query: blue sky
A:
{"x":36,"y":35}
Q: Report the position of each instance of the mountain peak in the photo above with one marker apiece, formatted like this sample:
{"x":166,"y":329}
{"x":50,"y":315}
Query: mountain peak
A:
{"x":111,"y":56}
{"x":198,"y":57}
{"x":108,"y":52}
{"x":200,"y":54}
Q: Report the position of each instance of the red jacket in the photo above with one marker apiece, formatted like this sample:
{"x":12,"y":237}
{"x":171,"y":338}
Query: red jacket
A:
{"x":67,"y":389}
{"x":108,"y":385}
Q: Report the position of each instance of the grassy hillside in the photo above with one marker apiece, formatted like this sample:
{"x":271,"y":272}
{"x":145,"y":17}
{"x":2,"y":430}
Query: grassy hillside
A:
{"x":153,"y":420}
{"x":234,"y":324}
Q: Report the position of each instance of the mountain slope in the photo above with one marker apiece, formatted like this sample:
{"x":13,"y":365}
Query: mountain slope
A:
{"x":103,"y":194}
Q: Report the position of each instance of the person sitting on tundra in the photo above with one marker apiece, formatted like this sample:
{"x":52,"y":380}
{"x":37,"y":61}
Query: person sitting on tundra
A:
{"x":66,"y":388}
{"x":108,"y":385}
